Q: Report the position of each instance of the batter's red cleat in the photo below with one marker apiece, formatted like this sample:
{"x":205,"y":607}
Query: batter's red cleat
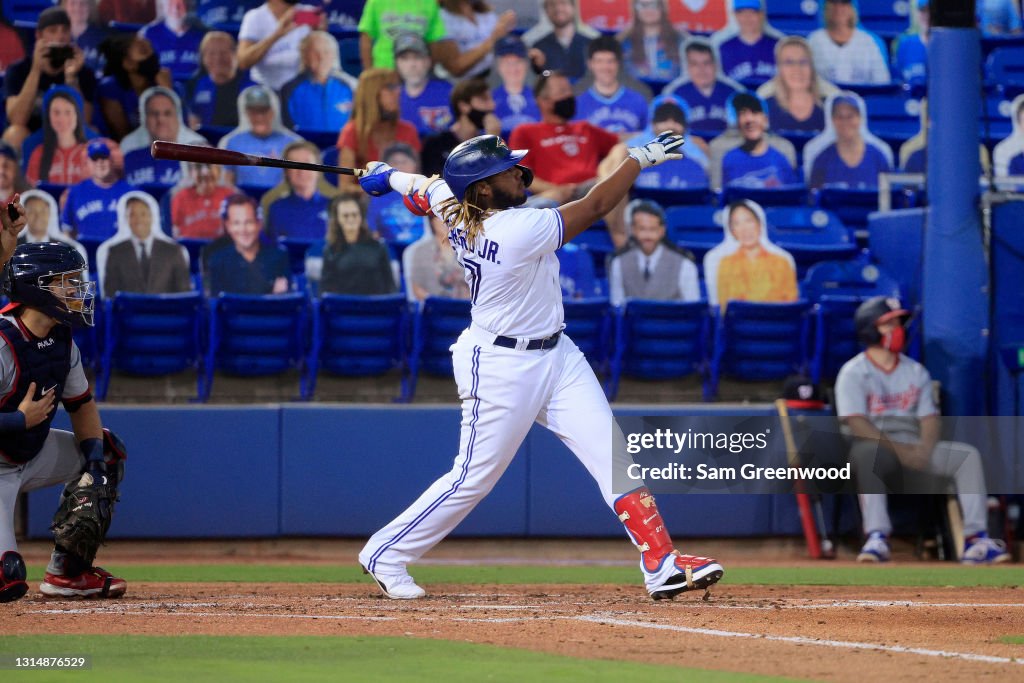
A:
{"x":667,"y":572}
{"x":92,"y":583}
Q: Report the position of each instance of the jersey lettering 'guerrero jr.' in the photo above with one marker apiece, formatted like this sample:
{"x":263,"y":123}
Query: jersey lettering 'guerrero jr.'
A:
{"x":514,"y":366}
{"x":40,"y":365}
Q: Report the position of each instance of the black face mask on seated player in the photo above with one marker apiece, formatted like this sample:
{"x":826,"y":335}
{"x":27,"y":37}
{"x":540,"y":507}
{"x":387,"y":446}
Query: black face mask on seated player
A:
{"x":566,"y":108}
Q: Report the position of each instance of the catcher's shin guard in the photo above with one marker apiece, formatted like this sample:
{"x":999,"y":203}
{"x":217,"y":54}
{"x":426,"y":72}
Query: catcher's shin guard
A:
{"x":666,"y":571}
{"x":12,"y":577}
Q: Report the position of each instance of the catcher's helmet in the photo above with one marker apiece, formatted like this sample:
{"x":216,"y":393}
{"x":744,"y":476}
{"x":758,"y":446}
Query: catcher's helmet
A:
{"x":51,"y":277}
{"x":873,"y":312}
{"x":478,"y":158}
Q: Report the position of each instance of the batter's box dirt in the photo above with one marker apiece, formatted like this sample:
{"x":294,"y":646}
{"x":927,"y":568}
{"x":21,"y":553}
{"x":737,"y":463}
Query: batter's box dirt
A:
{"x":812,"y":632}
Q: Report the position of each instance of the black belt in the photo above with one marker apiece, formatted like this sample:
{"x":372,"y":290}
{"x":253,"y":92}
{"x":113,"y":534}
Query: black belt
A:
{"x":534,"y":345}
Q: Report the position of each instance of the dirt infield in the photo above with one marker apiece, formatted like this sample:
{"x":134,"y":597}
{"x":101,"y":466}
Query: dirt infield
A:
{"x":842,"y":633}
{"x":805,"y":632}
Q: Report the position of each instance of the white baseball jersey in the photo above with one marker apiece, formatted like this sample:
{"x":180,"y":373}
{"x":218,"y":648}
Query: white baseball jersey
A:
{"x":894,"y":400}
{"x":512,"y":270}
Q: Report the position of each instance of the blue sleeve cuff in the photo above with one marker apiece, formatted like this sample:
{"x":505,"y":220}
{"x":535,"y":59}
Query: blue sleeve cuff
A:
{"x":12,"y":422}
{"x":92,"y":449}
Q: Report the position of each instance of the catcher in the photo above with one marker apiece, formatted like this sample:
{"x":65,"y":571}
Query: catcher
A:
{"x":39,"y":366}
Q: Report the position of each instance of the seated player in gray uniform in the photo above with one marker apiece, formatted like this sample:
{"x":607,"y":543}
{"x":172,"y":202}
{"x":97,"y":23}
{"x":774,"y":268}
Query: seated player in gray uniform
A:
{"x":884,"y":399}
{"x":649,"y":267}
{"x":40,"y":365}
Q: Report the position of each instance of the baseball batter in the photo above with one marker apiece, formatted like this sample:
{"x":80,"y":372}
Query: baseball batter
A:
{"x":884,"y":399}
{"x":514,"y":365}
{"x":39,"y":366}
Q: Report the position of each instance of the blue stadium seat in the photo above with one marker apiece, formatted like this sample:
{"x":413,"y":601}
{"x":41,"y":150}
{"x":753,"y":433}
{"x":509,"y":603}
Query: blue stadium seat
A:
{"x":150,"y":336}
{"x":838,"y":288}
{"x":887,"y":18}
{"x":796,"y":17}
{"x":784,"y":195}
{"x":576,"y":273}
{"x":296,"y":249}
{"x":348,"y":52}
{"x":658,"y":340}
{"x":91,"y":243}
{"x":810,"y":235}
{"x":213,"y":134}
{"x":687,"y":196}
{"x":697,"y":228}
{"x":894,"y":118}
{"x":330,"y":155}
{"x":835,"y":337}
{"x":438,"y":324}
{"x":89,"y":339}
{"x":320,"y":138}
{"x":194,"y":248}
{"x":25,"y":12}
{"x":858,"y":278}
{"x":253,"y":191}
{"x":995,"y":124}
{"x":851,"y":205}
{"x":589,"y":323}
{"x":759,"y":342}
{"x":357,"y":336}
{"x":596,"y":241}
{"x":255,"y":336}
{"x":1004,"y":69}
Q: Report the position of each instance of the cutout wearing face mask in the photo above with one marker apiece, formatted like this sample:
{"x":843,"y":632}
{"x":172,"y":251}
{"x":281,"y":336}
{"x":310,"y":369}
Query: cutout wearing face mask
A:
{"x":150,"y":66}
{"x":476,"y":117}
{"x":565,"y":108}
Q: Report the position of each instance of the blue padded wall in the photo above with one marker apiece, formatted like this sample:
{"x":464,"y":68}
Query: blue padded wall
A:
{"x":192,"y":472}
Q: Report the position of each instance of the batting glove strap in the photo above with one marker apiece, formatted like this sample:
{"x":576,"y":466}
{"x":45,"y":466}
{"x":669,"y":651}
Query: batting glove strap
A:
{"x":375,"y":180}
{"x":666,"y":146}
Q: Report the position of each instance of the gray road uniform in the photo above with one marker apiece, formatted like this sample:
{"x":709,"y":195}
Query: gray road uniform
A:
{"x":895,"y":401}
{"x":41,"y":456}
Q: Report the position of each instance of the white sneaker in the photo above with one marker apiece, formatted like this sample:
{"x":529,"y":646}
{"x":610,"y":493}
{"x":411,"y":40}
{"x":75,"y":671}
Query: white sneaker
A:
{"x":677,"y":573}
{"x":875,"y":549}
{"x":984,"y":550}
{"x":401,"y":587}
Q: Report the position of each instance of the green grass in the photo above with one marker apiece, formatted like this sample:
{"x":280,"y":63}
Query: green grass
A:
{"x":824,"y":575}
{"x":1012,"y":640}
{"x":132,"y":659}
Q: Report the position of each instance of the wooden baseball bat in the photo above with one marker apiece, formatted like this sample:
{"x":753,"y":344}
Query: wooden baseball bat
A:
{"x":200,"y":154}
{"x":812,"y":517}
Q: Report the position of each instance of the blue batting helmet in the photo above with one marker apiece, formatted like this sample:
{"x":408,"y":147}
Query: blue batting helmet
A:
{"x":478,"y":158}
{"x":51,"y":277}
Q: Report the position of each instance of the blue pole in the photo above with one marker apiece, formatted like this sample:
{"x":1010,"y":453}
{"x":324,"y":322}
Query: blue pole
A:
{"x":955,"y":277}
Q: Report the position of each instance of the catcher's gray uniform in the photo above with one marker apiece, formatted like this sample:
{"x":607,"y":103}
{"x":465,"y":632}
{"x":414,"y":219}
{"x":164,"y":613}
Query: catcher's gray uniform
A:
{"x":60,"y":459}
{"x":895,"y":401}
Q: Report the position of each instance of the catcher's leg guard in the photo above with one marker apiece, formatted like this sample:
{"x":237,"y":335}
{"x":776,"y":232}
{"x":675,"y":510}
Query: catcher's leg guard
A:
{"x":12,"y":577}
{"x":666,"y":571}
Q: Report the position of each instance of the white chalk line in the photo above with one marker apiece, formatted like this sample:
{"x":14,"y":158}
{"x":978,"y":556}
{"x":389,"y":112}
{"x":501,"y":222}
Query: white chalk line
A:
{"x":603,"y":619}
{"x":800,"y":640}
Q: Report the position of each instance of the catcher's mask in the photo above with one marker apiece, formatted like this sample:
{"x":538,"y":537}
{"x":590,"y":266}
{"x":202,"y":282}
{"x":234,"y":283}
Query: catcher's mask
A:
{"x":51,"y":277}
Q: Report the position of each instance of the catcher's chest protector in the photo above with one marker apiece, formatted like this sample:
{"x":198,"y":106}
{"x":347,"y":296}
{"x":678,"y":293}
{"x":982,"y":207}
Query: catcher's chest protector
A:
{"x":43,"y":361}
